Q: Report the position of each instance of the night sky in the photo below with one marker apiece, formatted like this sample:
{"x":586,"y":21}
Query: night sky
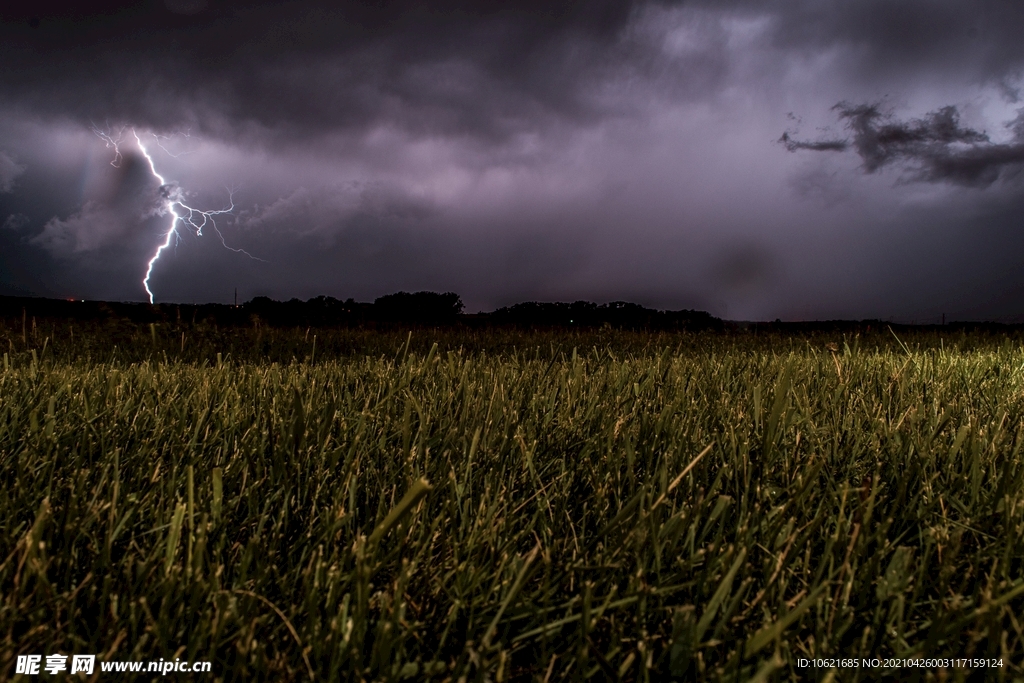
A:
{"x":809,"y":159}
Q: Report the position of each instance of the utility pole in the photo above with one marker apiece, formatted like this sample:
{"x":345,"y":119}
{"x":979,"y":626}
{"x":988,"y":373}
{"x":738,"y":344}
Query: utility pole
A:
{"x":236,"y":297}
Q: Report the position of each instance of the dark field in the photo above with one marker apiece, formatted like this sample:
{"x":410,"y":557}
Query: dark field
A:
{"x":471,"y":504}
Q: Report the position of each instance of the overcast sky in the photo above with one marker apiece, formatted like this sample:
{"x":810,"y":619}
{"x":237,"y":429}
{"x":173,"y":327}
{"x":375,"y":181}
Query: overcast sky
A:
{"x":807,"y":159}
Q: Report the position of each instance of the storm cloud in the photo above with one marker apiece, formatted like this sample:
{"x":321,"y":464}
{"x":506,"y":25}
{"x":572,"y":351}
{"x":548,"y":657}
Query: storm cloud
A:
{"x":936,"y":147}
{"x":543,"y":150}
{"x":9,"y":170}
{"x":299,"y":69}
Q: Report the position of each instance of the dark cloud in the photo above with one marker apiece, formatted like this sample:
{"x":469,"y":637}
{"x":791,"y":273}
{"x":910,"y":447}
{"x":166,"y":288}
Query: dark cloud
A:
{"x":235,"y":69}
{"x":936,"y":147}
{"x":131,"y":197}
{"x":16,"y":221}
{"x":818,"y":146}
{"x":9,"y":171}
{"x":484,"y":69}
{"x":617,"y":149}
{"x":882,"y":39}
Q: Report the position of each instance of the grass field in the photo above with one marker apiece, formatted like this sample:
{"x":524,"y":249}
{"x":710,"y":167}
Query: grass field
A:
{"x":512,"y":506}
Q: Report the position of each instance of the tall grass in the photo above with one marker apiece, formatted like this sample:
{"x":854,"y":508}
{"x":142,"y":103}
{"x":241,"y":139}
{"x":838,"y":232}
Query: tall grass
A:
{"x":687,"y":506}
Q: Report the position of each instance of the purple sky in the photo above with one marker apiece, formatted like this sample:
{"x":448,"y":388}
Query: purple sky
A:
{"x":525,"y":151}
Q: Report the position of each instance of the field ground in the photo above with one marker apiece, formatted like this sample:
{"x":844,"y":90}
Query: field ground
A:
{"x":531,"y":506}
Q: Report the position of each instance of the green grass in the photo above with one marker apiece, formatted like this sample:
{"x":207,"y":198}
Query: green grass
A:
{"x":636,"y":507}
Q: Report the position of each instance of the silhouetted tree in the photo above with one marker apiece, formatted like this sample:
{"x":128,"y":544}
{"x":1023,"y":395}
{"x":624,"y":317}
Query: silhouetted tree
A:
{"x":424,"y":308}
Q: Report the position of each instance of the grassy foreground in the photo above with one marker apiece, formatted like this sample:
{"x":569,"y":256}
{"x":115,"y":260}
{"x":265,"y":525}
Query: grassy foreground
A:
{"x":698,"y":507}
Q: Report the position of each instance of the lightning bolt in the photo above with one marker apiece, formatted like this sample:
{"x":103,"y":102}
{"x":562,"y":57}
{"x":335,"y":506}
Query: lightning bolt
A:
{"x":173,"y":203}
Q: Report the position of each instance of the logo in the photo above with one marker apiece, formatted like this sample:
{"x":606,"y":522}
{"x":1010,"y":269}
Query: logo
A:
{"x":55,"y":664}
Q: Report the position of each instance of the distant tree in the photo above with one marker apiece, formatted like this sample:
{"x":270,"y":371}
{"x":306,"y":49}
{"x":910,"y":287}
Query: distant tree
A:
{"x":424,"y":308}
{"x":618,"y":314}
